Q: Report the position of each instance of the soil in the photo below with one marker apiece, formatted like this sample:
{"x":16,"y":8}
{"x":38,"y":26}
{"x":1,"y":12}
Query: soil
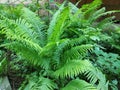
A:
{"x":15,"y":80}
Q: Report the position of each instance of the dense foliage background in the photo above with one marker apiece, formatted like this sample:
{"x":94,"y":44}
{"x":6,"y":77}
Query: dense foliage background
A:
{"x":76,"y":49}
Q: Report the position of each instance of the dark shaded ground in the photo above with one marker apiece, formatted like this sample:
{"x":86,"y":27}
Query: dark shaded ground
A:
{"x":15,"y":80}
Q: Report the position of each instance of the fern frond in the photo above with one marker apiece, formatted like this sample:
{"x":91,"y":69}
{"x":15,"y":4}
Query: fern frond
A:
{"x":105,"y":22}
{"x":79,"y":84}
{"x":64,"y":45}
{"x":54,"y":20}
{"x":56,"y":25}
{"x":37,"y":24}
{"x":19,"y":27}
{"x":26,"y":50}
{"x":24,"y":29}
{"x":39,"y":83}
{"x":73,"y":68}
{"x":95,"y":75}
{"x":73,"y":8}
{"x":76,"y":52}
{"x":77,"y":41}
{"x":20,"y":31}
{"x":93,"y":17}
{"x":106,"y":13}
{"x":90,"y":8}
{"x":21,"y":39}
{"x":95,"y":3}
{"x":59,"y":50}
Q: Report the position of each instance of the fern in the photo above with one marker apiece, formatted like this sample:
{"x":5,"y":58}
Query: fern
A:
{"x":105,"y":22}
{"x":73,"y":68}
{"x":94,"y":16}
{"x":89,"y":8}
{"x":57,"y":23}
{"x":65,"y":45}
{"x":23,"y":42}
{"x":39,"y":83}
{"x":78,"y":84}
{"x":95,"y":75}
{"x":95,"y":3}
{"x":49,"y":50}
{"x":76,"y":52}
{"x":37,"y":25}
{"x":107,"y":13}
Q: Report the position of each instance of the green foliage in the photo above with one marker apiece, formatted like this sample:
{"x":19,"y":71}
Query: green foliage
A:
{"x":73,"y":68}
{"x":114,"y":41}
{"x":84,"y":24}
{"x":37,"y":25}
{"x":78,"y":85}
{"x":109,"y":62}
{"x":3,"y":67}
{"x":38,"y":83}
{"x":57,"y":23}
{"x":12,"y":12}
{"x":34,"y":5}
{"x":3,"y":64}
{"x":58,"y":52}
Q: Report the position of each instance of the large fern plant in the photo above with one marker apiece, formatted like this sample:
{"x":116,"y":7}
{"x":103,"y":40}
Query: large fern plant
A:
{"x":60,"y":58}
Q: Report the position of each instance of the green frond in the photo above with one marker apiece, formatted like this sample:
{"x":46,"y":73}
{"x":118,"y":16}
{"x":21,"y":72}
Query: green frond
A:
{"x":56,"y":25}
{"x":90,"y":8}
{"x":24,"y":29}
{"x":76,"y":52}
{"x":105,"y":22}
{"x":20,"y":32}
{"x":73,"y":68}
{"x":59,"y":50}
{"x":94,"y":17}
{"x":54,"y":20}
{"x":19,"y":27}
{"x":28,"y":14}
{"x":5,"y":23}
{"x":37,"y":24}
{"x":21,"y":39}
{"x":64,"y":45}
{"x":106,"y":13}
{"x":73,"y":8}
{"x":95,"y":75}
{"x":95,"y":3}
{"x":48,"y":49}
{"x":28,"y":51}
{"x":79,"y":84}
{"x":77,"y":41}
{"x":39,"y":83}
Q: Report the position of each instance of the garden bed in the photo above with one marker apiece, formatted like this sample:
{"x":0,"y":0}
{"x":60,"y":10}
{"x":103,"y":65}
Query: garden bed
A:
{"x":73,"y":49}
